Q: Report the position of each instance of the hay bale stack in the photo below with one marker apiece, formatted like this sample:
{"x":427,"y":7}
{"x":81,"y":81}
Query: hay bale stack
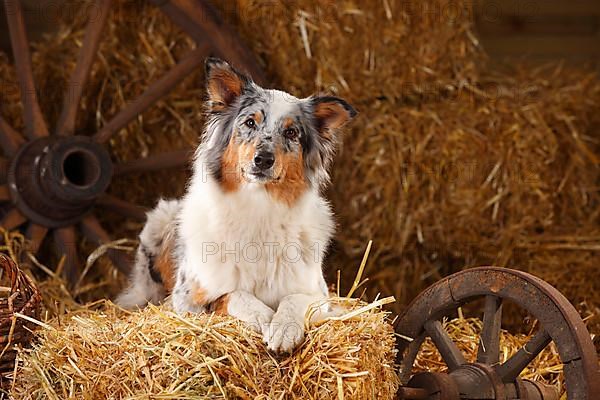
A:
{"x":10,"y":97}
{"x":108,"y":353}
{"x":361,"y":49}
{"x":504,"y":173}
{"x":446,"y":166}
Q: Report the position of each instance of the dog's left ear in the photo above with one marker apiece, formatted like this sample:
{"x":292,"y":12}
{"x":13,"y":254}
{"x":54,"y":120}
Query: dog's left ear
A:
{"x":331,"y":113}
{"x":223,"y":83}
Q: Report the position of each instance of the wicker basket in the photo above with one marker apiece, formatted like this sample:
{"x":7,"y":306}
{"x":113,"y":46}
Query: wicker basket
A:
{"x":23,"y":298}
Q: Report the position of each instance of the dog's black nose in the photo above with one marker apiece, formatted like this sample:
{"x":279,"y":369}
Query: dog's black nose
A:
{"x":264,"y":160}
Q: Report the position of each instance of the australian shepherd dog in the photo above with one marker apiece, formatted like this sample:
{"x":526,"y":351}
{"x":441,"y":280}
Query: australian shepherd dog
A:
{"x":248,"y":237}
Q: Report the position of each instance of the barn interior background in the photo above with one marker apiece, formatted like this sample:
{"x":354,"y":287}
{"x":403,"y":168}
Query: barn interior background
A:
{"x":458,"y":159}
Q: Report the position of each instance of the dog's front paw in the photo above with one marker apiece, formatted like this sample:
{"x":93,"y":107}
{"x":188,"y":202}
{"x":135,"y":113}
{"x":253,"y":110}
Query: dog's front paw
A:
{"x":258,"y":318}
{"x":284,"y":333}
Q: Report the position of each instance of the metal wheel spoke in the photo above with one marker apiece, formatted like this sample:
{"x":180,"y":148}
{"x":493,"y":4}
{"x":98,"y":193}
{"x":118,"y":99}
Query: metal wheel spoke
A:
{"x":34,"y":121}
{"x":36,"y":234}
{"x":89,"y":48}
{"x":4,"y":193}
{"x":93,"y":231}
{"x":122,"y":207}
{"x":489,"y":340}
{"x":13,"y":219}
{"x":154,"y":93}
{"x":510,"y":370}
{"x":156,"y":162}
{"x":66,"y":243}
{"x":10,"y":140}
{"x":447,"y":348}
{"x":201,"y":21}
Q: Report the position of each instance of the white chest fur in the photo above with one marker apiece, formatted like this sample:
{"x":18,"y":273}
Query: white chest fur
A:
{"x":247,"y":240}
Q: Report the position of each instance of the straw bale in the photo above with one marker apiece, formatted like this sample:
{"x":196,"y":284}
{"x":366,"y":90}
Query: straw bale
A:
{"x":105,"y":352}
{"x":360,"y":49}
{"x":350,"y":51}
{"x":100,"y":350}
{"x":504,"y":173}
{"x":444,"y":168}
{"x":10,"y":100}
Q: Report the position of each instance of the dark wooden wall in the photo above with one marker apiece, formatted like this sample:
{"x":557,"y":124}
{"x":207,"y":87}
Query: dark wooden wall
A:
{"x":540,"y":30}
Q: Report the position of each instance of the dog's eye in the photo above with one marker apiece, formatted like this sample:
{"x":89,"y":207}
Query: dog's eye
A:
{"x":250,"y":123}
{"x":290,"y":133}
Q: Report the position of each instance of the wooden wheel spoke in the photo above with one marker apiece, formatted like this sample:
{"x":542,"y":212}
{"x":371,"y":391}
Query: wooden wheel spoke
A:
{"x":201,"y":21}
{"x":510,"y":370}
{"x":10,"y":140}
{"x":489,"y":340}
{"x":155,"y":92}
{"x":93,"y":231}
{"x":35,"y":126}
{"x":409,"y":358}
{"x":13,"y":219}
{"x":122,"y":207}
{"x":449,"y":351}
{"x":36,"y":234}
{"x":77,"y":82}
{"x":156,"y":162}
{"x":66,"y":243}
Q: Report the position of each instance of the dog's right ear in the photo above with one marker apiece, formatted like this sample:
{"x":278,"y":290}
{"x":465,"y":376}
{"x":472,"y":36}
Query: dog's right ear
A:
{"x":223,"y":84}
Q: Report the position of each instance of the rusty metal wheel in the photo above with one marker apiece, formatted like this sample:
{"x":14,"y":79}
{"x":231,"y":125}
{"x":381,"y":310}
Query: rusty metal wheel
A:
{"x":53,"y":180}
{"x":487,"y":378}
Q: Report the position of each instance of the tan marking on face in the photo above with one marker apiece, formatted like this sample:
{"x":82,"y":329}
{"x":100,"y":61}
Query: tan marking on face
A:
{"x":219,"y":306}
{"x":288,"y":122}
{"x":230,"y":169}
{"x":291,"y":182}
{"x":165,"y":264}
{"x":258,"y":117}
{"x":246,"y":153}
{"x":234,"y":157}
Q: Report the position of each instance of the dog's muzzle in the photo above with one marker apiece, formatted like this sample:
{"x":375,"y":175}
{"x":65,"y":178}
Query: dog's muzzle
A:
{"x":263,"y":161}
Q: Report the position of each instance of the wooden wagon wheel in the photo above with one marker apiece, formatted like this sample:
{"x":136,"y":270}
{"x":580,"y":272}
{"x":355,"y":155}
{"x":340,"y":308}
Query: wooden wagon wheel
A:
{"x":487,"y":378}
{"x":53,"y":179}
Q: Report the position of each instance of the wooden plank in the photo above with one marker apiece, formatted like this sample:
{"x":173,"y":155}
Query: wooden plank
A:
{"x":558,"y":46}
{"x":494,"y":10}
{"x":588,"y":25}
{"x":591,"y":64}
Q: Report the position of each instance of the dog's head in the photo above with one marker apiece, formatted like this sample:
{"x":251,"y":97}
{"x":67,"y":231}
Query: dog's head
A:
{"x":268,"y":137}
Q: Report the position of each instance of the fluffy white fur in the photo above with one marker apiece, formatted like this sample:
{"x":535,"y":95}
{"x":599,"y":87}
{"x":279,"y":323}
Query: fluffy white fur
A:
{"x":256,"y":255}
{"x":271,"y":256}
{"x":266,"y":260}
